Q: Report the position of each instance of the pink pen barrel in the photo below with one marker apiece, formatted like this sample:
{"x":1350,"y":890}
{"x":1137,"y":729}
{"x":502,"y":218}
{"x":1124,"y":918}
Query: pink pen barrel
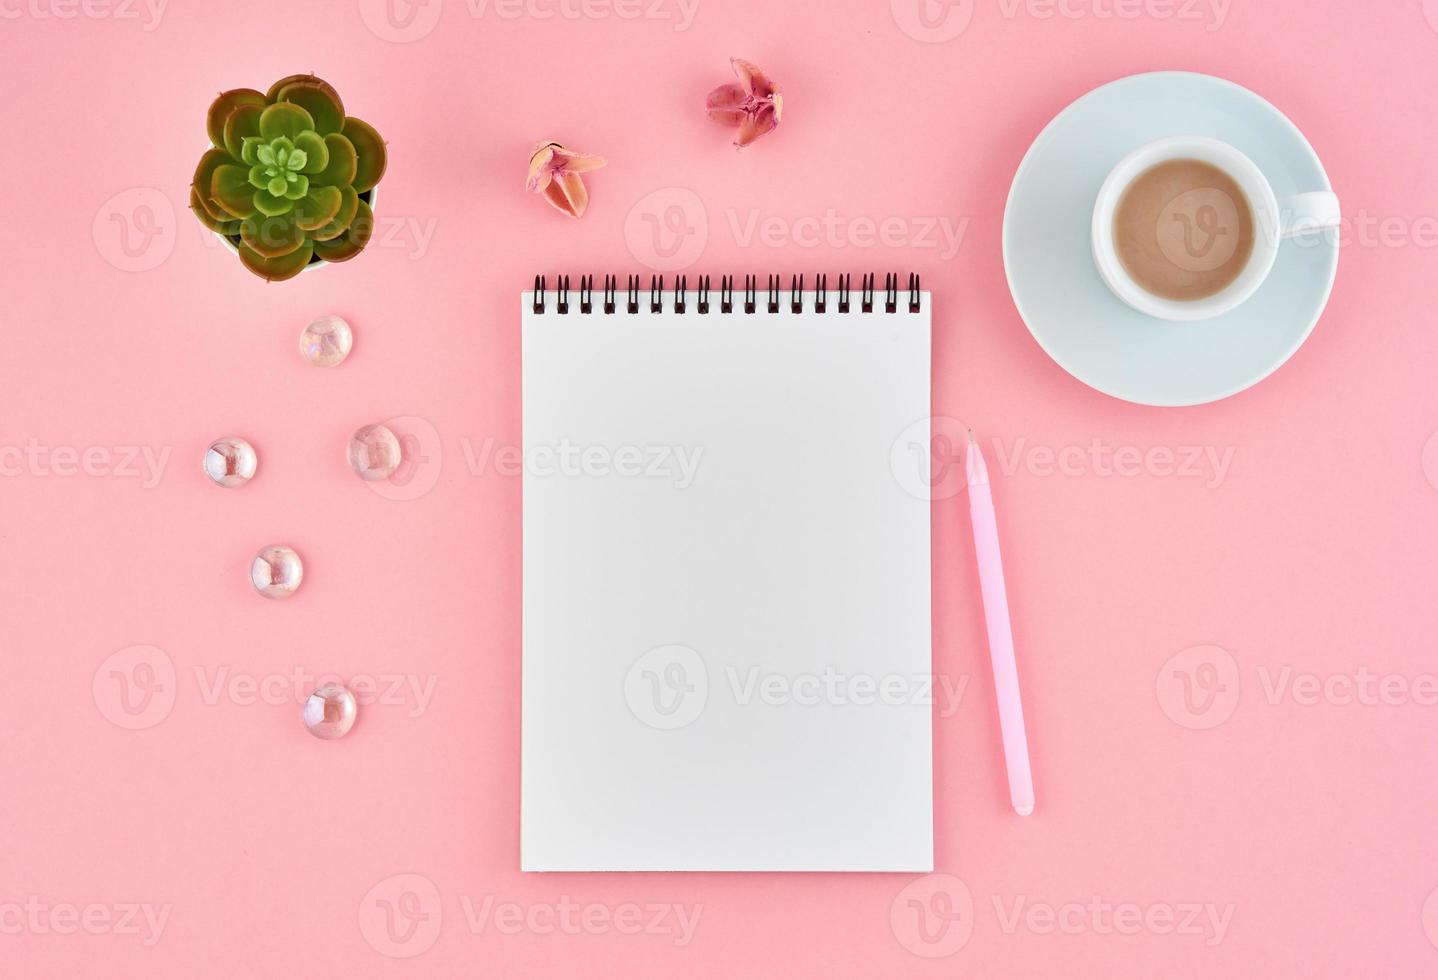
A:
{"x":1000,"y":631}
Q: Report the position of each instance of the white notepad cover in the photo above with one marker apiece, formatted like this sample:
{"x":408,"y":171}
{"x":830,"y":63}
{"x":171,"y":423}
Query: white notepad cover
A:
{"x":727,"y":640}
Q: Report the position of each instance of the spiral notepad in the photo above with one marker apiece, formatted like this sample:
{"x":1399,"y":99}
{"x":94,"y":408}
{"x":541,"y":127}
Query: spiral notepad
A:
{"x":727,"y":655}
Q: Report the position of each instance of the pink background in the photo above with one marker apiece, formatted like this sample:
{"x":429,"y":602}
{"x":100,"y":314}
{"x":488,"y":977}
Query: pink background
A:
{"x":275,"y":853}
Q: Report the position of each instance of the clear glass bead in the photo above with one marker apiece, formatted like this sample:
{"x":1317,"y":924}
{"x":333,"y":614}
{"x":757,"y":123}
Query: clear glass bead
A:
{"x":326,"y":342}
{"x":276,"y":572}
{"x":330,"y":711}
{"x":374,"y":452}
{"x":230,"y":462}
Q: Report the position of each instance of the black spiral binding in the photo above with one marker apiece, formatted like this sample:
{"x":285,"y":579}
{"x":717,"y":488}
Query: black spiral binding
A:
{"x":726,"y":294}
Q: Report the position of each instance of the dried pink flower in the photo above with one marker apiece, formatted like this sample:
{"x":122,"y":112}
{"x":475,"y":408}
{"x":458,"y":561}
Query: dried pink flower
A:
{"x":554,"y":172}
{"x":754,"y":105}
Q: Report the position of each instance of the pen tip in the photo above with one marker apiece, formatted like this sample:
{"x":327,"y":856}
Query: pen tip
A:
{"x":1024,"y":809}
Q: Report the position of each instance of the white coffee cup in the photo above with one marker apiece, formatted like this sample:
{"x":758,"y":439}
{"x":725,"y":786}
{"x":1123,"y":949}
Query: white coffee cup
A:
{"x":1273,"y":221}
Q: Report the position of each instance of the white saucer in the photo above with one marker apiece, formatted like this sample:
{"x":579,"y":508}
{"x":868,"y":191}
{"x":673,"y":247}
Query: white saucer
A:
{"x":1090,"y":332}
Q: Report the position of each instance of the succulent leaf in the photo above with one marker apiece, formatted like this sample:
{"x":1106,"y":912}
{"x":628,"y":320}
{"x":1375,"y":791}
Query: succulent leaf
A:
{"x":296,"y":187}
{"x":273,"y":95}
{"x":284,"y":119}
{"x":271,"y":237}
{"x":369,"y":149}
{"x":204,"y":178}
{"x":224,"y":226}
{"x":318,"y":207}
{"x":316,"y":151}
{"x":326,"y":109}
{"x":344,"y":217}
{"x":277,"y":269}
{"x":230,"y":188}
{"x":354,"y":239}
{"x":271,"y":204}
{"x":343,"y":163}
{"x":224,"y":104}
{"x":242,"y":123}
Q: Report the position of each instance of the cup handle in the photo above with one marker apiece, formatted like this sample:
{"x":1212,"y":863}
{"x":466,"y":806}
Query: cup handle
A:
{"x":1308,"y":212}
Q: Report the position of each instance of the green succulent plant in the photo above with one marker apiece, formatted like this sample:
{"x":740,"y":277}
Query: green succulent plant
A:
{"x":288,"y":177}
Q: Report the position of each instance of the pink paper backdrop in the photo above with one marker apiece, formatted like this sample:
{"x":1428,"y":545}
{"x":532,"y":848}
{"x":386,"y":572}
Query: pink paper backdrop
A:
{"x":164,"y":814}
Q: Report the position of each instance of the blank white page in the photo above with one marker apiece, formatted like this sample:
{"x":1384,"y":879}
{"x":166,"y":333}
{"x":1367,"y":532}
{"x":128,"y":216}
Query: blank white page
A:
{"x":727,"y":661}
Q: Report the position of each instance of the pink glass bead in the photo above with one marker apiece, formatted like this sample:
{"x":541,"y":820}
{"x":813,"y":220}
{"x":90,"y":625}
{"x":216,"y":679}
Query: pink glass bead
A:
{"x":276,"y":572}
{"x":374,"y":452}
{"x":230,"y":462}
{"x":330,"y":711}
{"x":326,"y":342}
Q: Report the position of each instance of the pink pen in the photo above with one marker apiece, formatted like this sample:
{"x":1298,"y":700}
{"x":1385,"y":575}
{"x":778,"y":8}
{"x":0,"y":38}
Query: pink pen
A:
{"x":1001,"y":634}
